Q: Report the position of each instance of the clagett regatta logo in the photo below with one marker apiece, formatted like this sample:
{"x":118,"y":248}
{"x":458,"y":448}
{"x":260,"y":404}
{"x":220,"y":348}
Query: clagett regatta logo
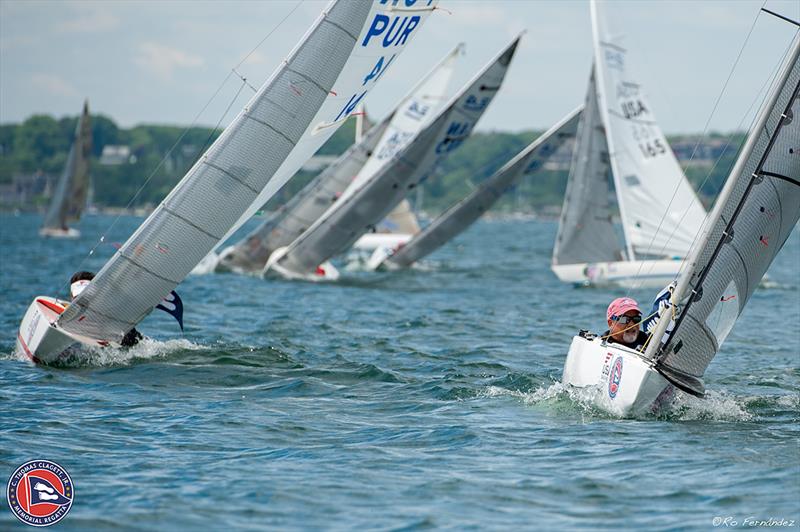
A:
{"x":40,"y":493}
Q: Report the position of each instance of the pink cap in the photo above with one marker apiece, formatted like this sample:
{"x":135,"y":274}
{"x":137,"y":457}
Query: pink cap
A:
{"x":620,"y":306}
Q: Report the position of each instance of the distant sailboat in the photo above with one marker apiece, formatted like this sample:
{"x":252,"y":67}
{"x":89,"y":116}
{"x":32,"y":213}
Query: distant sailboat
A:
{"x":362,"y":208}
{"x":464,"y":213}
{"x":296,"y":110}
{"x":753,"y":216}
{"x":69,"y":198}
{"x":378,"y":143}
{"x":660,"y":211}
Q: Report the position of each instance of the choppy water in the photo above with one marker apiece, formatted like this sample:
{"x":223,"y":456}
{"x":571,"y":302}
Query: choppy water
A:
{"x":409,"y":400}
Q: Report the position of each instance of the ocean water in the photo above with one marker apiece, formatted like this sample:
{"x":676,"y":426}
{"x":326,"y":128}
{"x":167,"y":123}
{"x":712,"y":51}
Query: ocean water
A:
{"x":412,"y":400}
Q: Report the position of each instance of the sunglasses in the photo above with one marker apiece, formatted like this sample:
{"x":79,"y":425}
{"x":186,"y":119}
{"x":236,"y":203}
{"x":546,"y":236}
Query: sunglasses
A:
{"x":627,"y":319}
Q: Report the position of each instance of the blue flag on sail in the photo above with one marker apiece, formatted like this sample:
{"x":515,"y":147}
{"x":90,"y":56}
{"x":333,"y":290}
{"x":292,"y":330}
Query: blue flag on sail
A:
{"x":173,"y":305}
{"x":42,"y":491}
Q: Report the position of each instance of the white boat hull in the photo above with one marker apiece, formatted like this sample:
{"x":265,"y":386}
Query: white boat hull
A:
{"x":622,"y":381}
{"x":627,"y":274}
{"x":54,"y":232}
{"x":324,"y":272}
{"x":372,"y":241}
{"x":41,"y":340}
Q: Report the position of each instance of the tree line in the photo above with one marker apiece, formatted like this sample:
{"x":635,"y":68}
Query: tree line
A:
{"x":164,"y":154}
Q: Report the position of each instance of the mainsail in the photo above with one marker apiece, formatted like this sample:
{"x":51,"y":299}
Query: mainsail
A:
{"x":341,"y":57}
{"x":361,"y":210}
{"x":287,"y":223}
{"x":585,"y":230}
{"x":461,"y":215}
{"x":69,"y":197}
{"x":755,"y":213}
{"x":659,"y":209}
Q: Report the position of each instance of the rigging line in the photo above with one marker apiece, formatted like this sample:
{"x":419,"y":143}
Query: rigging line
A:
{"x":697,"y":144}
{"x":273,"y":30}
{"x":768,"y":81}
{"x":728,"y":231}
{"x":180,"y":138}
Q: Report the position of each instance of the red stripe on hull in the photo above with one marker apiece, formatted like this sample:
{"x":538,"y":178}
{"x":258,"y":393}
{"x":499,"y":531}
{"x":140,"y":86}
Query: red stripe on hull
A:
{"x":26,"y":350}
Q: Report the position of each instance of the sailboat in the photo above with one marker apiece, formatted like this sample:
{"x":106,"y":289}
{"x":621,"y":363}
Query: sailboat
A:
{"x":297,"y":109}
{"x":659,"y":210}
{"x":69,"y":198}
{"x":378,"y":143}
{"x":461,"y":215}
{"x":753,"y":216}
{"x":362,"y":208}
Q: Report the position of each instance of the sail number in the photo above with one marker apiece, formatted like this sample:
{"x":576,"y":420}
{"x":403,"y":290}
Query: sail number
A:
{"x":386,"y":31}
{"x":652,"y":149}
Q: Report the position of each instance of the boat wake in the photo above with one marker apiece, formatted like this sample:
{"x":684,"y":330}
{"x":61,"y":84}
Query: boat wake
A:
{"x":715,"y":406}
{"x":104,"y":357}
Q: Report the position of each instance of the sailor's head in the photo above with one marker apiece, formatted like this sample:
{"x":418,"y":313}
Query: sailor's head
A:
{"x":624,"y":316}
{"x":78,"y":282}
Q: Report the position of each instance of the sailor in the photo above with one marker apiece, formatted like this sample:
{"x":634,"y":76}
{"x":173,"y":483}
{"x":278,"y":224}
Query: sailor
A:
{"x":78,"y":283}
{"x":624,"y":317}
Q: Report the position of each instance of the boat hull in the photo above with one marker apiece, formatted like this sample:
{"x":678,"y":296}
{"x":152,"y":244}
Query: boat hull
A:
{"x":622,"y":380}
{"x":55,"y":232}
{"x":39,"y":337}
{"x":627,"y":274}
{"x":324,"y":272}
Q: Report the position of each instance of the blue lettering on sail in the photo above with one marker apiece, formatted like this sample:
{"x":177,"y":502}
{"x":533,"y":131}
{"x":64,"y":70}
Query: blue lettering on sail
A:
{"x":476,"y":104}
{"x":615,"y":59}
{"x":378,"y":69}
{"x":394,"y":30}
{"x":417,"y":110}
{"x":457,"y":132}
{"x":350,"y":106}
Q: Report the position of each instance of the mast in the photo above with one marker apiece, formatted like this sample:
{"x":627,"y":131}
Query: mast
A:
{"x":601,"y":97}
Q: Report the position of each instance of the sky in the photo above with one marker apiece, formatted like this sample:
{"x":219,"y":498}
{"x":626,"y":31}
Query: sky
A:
{"x":161,"y":62}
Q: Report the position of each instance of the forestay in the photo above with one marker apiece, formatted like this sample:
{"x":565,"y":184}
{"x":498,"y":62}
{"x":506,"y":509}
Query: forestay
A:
{"x":752,"y":218}
{"x":341,"y":57}
{"x":585,"y":230}
{"x":646,"y":172}
{"x":289,"y":221}
{"x":359,"y":212}
{"x":461,"y":215}
{"x":69,"y":198}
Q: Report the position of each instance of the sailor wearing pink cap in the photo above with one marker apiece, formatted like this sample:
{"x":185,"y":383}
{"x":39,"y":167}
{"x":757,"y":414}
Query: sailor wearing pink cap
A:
{"x":624,"y":316}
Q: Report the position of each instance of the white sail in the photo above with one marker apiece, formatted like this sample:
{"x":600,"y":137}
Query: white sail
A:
{"x":461,"y":215}
{"x":411,"y":115}
{"x":69,"y":197}
{"x":401,"y":220}
{"x":585,"y":230}
{"x":341,"y":57}
{"x":361,"y":210}
{"x":646,"y":172}
{"x":289,"y":221}
{"x":756,"y":211}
